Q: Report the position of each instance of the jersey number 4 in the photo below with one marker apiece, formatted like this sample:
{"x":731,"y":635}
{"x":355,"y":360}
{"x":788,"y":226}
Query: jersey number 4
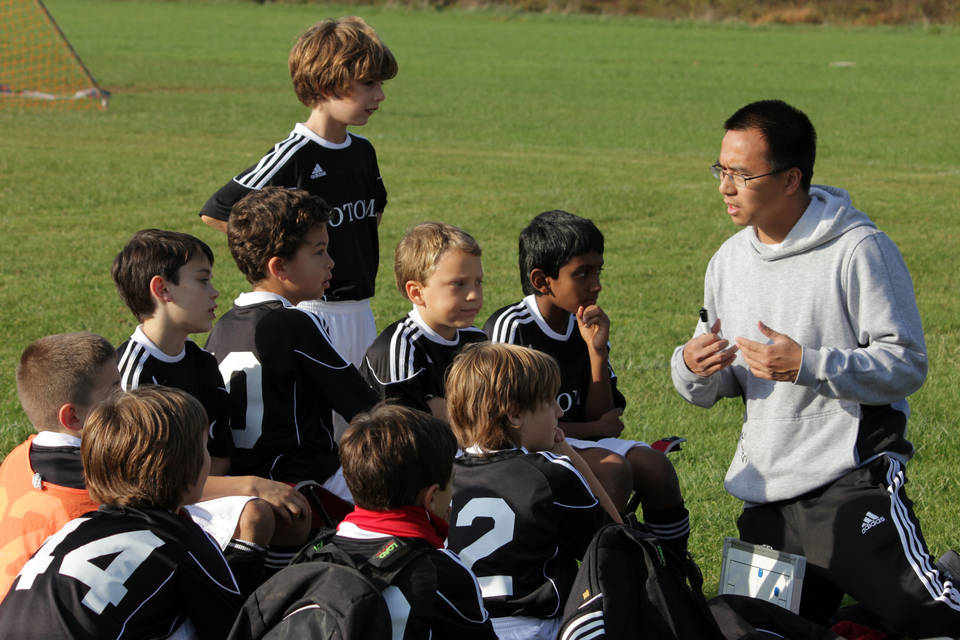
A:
{"x":106,"y":585}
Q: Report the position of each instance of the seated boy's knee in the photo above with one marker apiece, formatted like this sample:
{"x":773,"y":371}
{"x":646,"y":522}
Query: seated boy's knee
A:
{"x":613,"y":471}
{"x":654,"y":477}
{"x":257,"y":522}
{"x":293,"y":533}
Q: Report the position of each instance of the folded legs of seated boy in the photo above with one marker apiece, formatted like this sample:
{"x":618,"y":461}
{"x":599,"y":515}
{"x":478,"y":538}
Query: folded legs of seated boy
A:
{"x":561,"y":258}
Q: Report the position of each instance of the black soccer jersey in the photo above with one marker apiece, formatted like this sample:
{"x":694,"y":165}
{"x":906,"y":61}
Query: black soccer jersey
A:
{"x":284,"y":378}
{"x":123,"y":573}
{"x":193,"y":370}
{"x":522,"y":324}
{"x":408,"y":361}
{"x":436,"y":596}
{"x":347,"y":177}
{"x":56,"y":458}
{"x":520,"y":521}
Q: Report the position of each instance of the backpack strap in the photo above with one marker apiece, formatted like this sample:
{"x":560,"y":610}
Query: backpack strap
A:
{"x":382,"y":566}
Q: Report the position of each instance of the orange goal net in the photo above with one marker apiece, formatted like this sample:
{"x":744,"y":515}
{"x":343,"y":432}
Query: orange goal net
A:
{"x":38,"y":66}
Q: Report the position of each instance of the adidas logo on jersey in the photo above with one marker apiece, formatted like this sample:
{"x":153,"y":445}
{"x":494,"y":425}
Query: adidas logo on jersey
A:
{"x":870,"y":521}
{"x":318,"y":172}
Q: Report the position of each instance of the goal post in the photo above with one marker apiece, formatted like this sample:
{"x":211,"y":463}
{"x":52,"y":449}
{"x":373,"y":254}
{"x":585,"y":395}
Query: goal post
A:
{"x":39,"y":68}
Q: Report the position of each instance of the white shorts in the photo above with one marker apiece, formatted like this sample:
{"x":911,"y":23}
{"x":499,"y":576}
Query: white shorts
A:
{"x":617,"y":445}
{"x":336,"y":485}
{"x":524,"y":628}
{"x":219,"y":517}
{"x":350,"y":325}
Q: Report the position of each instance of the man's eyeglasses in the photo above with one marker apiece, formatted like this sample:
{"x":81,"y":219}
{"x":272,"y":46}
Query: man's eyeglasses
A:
{"x":740,"y":181}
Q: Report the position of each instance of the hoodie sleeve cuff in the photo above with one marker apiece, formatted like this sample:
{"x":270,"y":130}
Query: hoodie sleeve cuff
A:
{"x":809,"y":365}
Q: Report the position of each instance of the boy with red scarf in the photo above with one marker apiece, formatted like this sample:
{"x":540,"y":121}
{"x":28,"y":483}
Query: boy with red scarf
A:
{"x":398,"y":464}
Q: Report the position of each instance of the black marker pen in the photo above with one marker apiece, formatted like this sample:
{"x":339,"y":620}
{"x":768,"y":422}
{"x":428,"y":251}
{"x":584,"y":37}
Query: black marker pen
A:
{"x":705,"y":319}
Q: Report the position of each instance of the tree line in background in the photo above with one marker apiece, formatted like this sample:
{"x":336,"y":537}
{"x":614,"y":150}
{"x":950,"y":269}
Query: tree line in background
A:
{"x":844,"y":12}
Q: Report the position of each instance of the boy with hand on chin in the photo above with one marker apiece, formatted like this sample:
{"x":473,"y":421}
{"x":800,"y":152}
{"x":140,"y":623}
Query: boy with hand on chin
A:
{"x":284,"y":376}
{"x":164,"y":277}
{"x":518,"y":471}
{"x":561,"y":258}
{"x":137,"y":567}
{"x":437,"y":267}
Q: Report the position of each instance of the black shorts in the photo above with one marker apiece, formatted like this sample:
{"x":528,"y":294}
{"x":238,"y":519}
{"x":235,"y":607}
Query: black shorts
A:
{"x":860,"y":537}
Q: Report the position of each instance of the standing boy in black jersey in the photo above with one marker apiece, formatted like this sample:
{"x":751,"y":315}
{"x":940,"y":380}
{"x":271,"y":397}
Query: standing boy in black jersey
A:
{"x":60,"y":379}
{"x":398,"y":463}
{"x":518,"y":472}
{"x":437,"y":268}
{"x":561,"y":257}
{"x":138,"y":567}
{"x":338,"y":69}
{"x":283,"y":375}
{"x":164,"y":277}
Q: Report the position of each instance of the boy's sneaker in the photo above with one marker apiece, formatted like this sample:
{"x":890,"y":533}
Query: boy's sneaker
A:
{"x":949,"y":564}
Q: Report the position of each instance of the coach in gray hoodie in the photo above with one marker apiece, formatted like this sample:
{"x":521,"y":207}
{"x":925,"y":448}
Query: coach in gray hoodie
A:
{"x":828,"y":346}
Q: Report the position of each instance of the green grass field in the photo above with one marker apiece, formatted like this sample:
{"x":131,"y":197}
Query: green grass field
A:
{"x":494,"y":117}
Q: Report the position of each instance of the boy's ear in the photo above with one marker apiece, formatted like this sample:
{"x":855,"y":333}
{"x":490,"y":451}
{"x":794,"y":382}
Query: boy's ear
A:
{"x":159,"y":290}
{"x":277,"y":268}
{"x":414,"y":291}
{"x":70,"y":417}
{"x":514,"y":418}
{"x":425,"y":496}
{"x":538,"y":278}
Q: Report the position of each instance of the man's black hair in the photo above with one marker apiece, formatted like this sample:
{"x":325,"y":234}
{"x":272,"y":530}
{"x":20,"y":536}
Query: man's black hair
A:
{"x":790,"y":135}
{"x":551,"y":240}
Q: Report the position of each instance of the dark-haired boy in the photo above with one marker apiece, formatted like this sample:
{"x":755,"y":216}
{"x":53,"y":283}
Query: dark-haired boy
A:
{"x":137,"y":567}
{"x":561,"y":257}
{"x":525,"y":504}
{"x":60,"y":379}
{"x":398,"y":463}
{"x":164,"y":277}
{"x":338,"y":68}
{"x":437,"y":268}
{"x":284,"y":376}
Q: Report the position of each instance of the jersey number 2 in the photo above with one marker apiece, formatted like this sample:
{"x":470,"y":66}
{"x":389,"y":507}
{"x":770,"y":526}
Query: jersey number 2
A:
{"x":504,"y":520}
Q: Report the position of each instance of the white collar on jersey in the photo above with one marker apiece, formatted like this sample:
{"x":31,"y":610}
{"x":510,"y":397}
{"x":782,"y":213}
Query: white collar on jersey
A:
{"x":259,"y":297}
{"x":56,"y":439}
{"x":432,"y":335}
{"x":531,"y":303}
{"x":352,"y":531}
{"x":306,"y":132}
{"x":154,"y":351}
{"x":477,"y":450}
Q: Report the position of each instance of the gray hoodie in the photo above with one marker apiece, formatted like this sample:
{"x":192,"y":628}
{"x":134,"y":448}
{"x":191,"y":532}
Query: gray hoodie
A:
{"x":839,"y":287}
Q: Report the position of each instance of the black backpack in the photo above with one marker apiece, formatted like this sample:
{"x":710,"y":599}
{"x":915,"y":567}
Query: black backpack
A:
{"x":326,"y":593}
{"x":630,"y":587}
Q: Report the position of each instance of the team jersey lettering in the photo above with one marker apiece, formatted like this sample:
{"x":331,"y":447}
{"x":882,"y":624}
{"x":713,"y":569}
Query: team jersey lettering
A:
{"x":353,"y":212}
